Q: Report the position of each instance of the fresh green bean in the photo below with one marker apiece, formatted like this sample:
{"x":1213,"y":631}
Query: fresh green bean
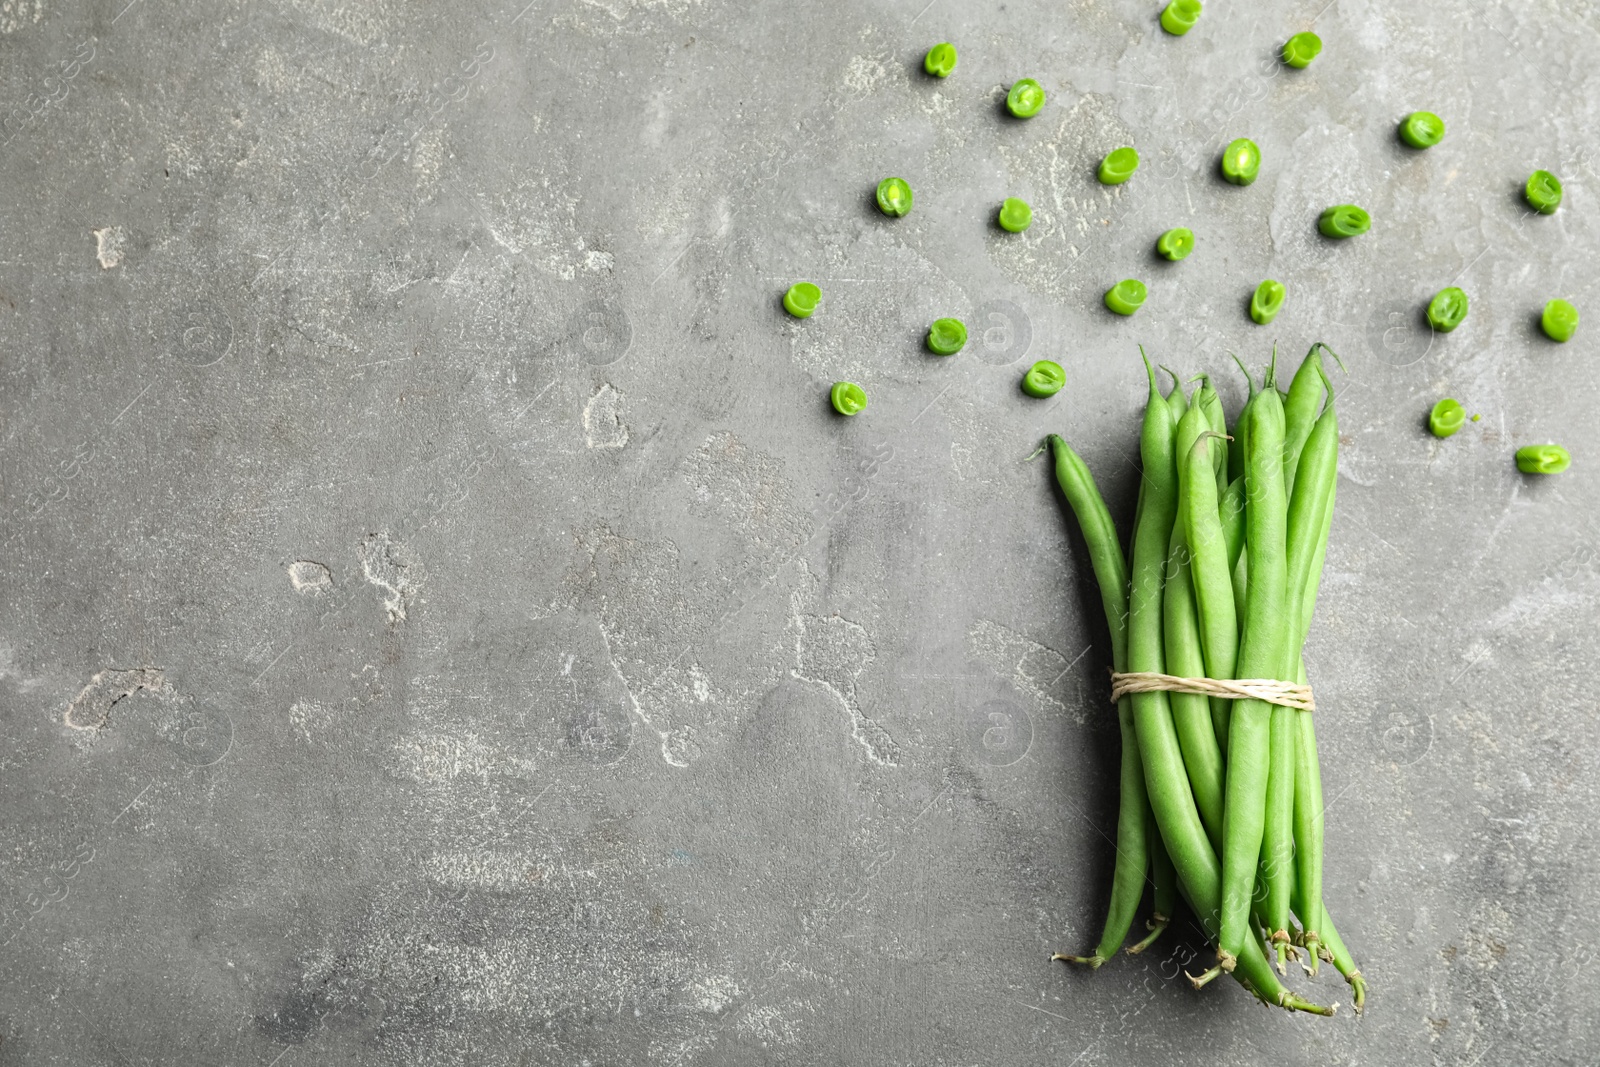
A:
{"x":1177,"y":400}
{"x":1262,"y":654}
{"x":1301,"y":49}
{"x":1422,"y":129}
{"x":1559,"y":320}
{"x":1211,"y":576}
{"x":940,"y":60}
{"x":1447,"y":417}
{"x":1118,"y":166}
{"x":1176,"y":243}
{"x":1241,"y":161}
{"x":1300,"y":412}
{"x":848,"y":398}
{"x":1267,"y":301}
{"x":1015,"y":215}
{"x":1343,"y":960}
{"x":1236,"y":445}
{"x":802,"y":299}
{"x":1111,"y":574}
{"x":1543,"y":192}
{"x":1344,"y":220}
{"x":1025,"y":99}
{"x":1217,"y":421}
{"x":946,"y":337}
{"x":1447,"y":309}
{"x":1199,"y":875}
{"x":1179,"y":16}
{"x":1543,"y":459}
{"x":1191,"y":714}
{"x":1164,"y":880}
{"x":1044,"y":378}
{"x":894,"y":197}
{"x":1126,"y":297}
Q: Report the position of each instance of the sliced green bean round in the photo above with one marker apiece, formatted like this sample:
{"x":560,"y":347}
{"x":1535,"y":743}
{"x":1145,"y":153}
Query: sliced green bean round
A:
{"x":1025,"y":99}
{"x":894,"y":197}
{"x":1179,"y":16}
{"x":1344,"y":220}
{"x":1543,"y":192}
{"x":940,"y":60}
{"x":1301,"y":49}
{"x":1044,"y":378}
{"x":1127,"y":296}
{"x":1176,"y":243}
{"x":1542,"y":459}
{"x":1015,"y":215}
{"x":1559,"y":320}
{"x":1447,"y":309}
{"x":1447,"y":417}
{"x":1422,"y":129}
{"x":1267,"y":301}
{"x":1241,"y":161}
{"x":848,"y":398}
{"x":1118,"y":166}
{"x":801,"y":299}
{"x":946,"y":337}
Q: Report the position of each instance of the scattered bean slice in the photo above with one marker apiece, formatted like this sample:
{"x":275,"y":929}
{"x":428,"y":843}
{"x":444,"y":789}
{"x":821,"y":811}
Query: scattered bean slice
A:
{"x":1543,"y":192}
{"x":1267,"y":302}
{"x":1447,"y":417}
{"x":848,"y":398}
{"x":1447,"y":309}
{"x":1044,"y":378}
{"x":1015,"y":215}
{"x":894,"y":197}
{"x":1422,"y":129}
{"x":1543,"y":459}
{"x":940,"y":60}
{"x":1179,"y":16}
{"x":1176,"y":243}
{"x":946,"y":337}
{"x":1025,"y":99}
{"x":1559,"y":320}
{"x":1241,"y":161}
{"x":1344,"y":220}
{"x":1127,"y":296}
{"x":1301,"y":49}
{"x":801,"y":299}
{"x":1118,"y":166}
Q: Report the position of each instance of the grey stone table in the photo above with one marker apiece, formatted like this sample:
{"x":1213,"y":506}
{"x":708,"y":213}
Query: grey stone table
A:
{"x":443,"y":622}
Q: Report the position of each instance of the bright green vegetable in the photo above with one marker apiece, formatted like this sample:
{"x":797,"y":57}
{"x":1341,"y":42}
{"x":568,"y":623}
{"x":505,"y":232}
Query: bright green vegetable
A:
{"x":1543,"y":192}
{"x":1300,"y":412}
{"x":1025,"y":99}
{"x":801,"y":299}
{"x":1422,"y":129}
{"x":1044,"y":379}
{"x":1164,"y":879}
{"x":1176,"y":243}
{"x":946,"y":337}
{"x":1447,"y":309}
{"x":1126,"y":297}
{"x":1263,"y":653}
{"x":1301,"y":49}
{"x":1015,"y":215}
{"x":1543,"y":459}
{"x":940,"y":60}
{"x":1344,"y":220}
{"x":1447,"y":417}
{"x":848,"y":398}
{"x":1266,"y":302}
{"x":1118,"y":166}
{"x":1241,"y":161}
{"x":894,"y":197}
{"x":1179,"y":16}
{"x":1211,"y":574}
{"x":1559,"y":320}
{"x":1343,"y":961}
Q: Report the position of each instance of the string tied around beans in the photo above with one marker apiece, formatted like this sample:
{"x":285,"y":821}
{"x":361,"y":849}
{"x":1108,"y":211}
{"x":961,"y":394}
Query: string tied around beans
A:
{"x":1270,"y":690}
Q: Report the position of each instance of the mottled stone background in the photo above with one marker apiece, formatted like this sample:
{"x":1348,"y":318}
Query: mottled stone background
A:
{"x":442,"y":622}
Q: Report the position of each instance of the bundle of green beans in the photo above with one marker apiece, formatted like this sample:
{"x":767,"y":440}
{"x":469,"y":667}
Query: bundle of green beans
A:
{"x":1221,"y":798}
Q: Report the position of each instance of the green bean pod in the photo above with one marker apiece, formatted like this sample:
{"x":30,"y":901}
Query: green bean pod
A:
{"x":1111,"y":574}
{"x":1164,"y":882}
{"x":1263,"y":648}
{"x":1277,"y":841}
{"x":1210,"y":576}
{"x":1199,"y":873}
{"x":1299,"y":412}
{"x":1191,"y":714}
{"x":1217,"y":422}
{"x":1344,"y":961}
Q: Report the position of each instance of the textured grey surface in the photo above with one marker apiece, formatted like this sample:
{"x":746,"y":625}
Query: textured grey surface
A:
{"x":442,"y":621}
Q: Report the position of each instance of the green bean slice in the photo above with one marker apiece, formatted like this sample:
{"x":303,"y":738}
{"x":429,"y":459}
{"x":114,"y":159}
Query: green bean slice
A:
{"x":894,"y":197}
{"x":1344,"y":220}
{"x":1044,"y":378}
{"x":1126,"y":297}
{"x":1559,"y":320}
{"x":1267,"y":301}
{"x":1447,"y":417}
{"x":1118,"y":166}
{"x":1543,"y":459}
{"x":1301,"y":49}
{"x":1025,"y":99}
{"x":1543,"y":192}
{"x":946,"y":337}
{"x":1447,"y":309}
{"x":848,"y":398}
{"x":1179,"y":16}
{"x":801,"y":299}
{"x":1015,"y":215}
{"x":1241,"y":161}
{"x":940,"y":60}
{"x":1422,"y":129}
{"x":1176,"y":243}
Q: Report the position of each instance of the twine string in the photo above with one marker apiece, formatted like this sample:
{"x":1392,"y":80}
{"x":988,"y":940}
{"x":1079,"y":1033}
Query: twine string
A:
{"x":1270,"y":690}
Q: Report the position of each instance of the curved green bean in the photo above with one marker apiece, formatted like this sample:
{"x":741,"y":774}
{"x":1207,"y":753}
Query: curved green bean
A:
{"x":1300,"y":412}
{"x":1343,"y":960}
{"x":1164,"y":883}
{"x":1211,"y":576}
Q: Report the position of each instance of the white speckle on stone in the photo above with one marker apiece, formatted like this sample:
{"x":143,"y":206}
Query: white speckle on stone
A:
{"x":108,"y":246}
{"x":602,"y":419}
{"x":309,"y":717}
{"x":714,"y":993}
{"x":384,"y":564}
{"x":309,"y":578}
{"x":865,"y":74}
